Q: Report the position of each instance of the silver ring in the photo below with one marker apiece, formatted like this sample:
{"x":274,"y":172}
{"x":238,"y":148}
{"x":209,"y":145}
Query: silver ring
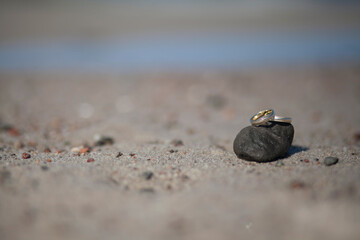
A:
{"x":282,"y":119}
{"x":265,"y":116}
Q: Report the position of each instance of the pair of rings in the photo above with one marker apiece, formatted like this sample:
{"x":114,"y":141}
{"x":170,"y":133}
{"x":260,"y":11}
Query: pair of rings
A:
{"x":266,"y":116}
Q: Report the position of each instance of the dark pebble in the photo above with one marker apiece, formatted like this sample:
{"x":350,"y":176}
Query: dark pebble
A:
{"x":119,"y":154}
{"x":328,"y":161}
{"x":185,"y":177}
{"x":216,"y":101}
{"x":147,"y":175}
{"x":356,"y":136}
{"x":177,"y":142}
{"x":104,"y":141}
{"x":5,"y":127}
{"x":172,"y":151}
{"x":90,"y":160}
{"x":44,"y":168}
{"x":5,"y":176}
{"x":264,"y":143}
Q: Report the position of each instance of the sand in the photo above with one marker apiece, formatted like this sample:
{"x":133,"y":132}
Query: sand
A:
{"x":199,"y":190}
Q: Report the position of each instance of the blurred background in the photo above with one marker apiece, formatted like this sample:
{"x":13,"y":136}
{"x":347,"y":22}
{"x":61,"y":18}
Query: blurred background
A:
{"x":193,"y":63}
{"x":138,"y":35}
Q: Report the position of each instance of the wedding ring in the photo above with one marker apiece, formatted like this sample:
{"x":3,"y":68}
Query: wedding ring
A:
{"x":282,"y":119}
{"x":262,"y":117}
{"x":266,"y":116}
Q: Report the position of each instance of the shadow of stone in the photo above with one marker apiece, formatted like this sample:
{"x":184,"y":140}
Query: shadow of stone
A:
{"x":295,"y":149}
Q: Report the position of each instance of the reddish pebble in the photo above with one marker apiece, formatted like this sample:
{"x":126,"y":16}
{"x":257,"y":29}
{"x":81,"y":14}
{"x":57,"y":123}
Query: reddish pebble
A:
{"x":26,"y":156}
{"x":306,"y":160}
{"x":48,"y":160}
{"x":47,"y":150}
{"x":14,"y":132}
{"x":84,"y":150}
{"x":356,"y":136}
{"x":132,"y":154}
{"x":297,"y":184}
{"x":90,"y":160}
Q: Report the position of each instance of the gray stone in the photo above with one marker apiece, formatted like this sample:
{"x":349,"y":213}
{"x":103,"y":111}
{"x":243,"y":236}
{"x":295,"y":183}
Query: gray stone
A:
{"x":147,"y":175}
{"x":328,"y":161}
{"x":264,"y":143}
{"x":104,"y":140}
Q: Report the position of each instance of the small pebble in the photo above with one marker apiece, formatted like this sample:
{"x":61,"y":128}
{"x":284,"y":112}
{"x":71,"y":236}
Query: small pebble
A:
{"x":44,"y":168}
{"x":316,"y":159}
{"x":177,"y":142}
{"x":279,"y":163}
{"x":216,"y":101}
{"x":328,"y":161}
{"x":147,"y":175}
{"x":84,"y":150}
{"x":172,"y":151}
{"x":356,"y":136}
{"x":185,"y":177}
{"x":48,"y":160}
{"x":5,"y":127}
{"x":47,"y":150}
{"x":14,"y":132}
{"x":104,"y":141}
{"x":90,"y":160}
{"x":75,"y":150}
{"x":4,"y":176}
{"x":26,"y":156}
{"x":306,"y":160}
{"x":132,"y":154}
{"x":297,"y":184}
{"x":119,"y":154}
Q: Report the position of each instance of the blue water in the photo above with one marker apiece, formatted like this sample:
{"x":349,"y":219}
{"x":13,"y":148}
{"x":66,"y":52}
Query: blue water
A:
{"x":184,"y":52}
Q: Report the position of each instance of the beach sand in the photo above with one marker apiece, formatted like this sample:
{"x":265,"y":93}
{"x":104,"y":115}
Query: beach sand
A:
{"x":199,"y":189}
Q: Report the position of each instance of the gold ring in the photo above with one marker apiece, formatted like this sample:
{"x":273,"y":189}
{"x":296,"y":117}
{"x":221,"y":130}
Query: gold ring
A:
{"x":265,"y":116}
{"x":262,"y":117}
